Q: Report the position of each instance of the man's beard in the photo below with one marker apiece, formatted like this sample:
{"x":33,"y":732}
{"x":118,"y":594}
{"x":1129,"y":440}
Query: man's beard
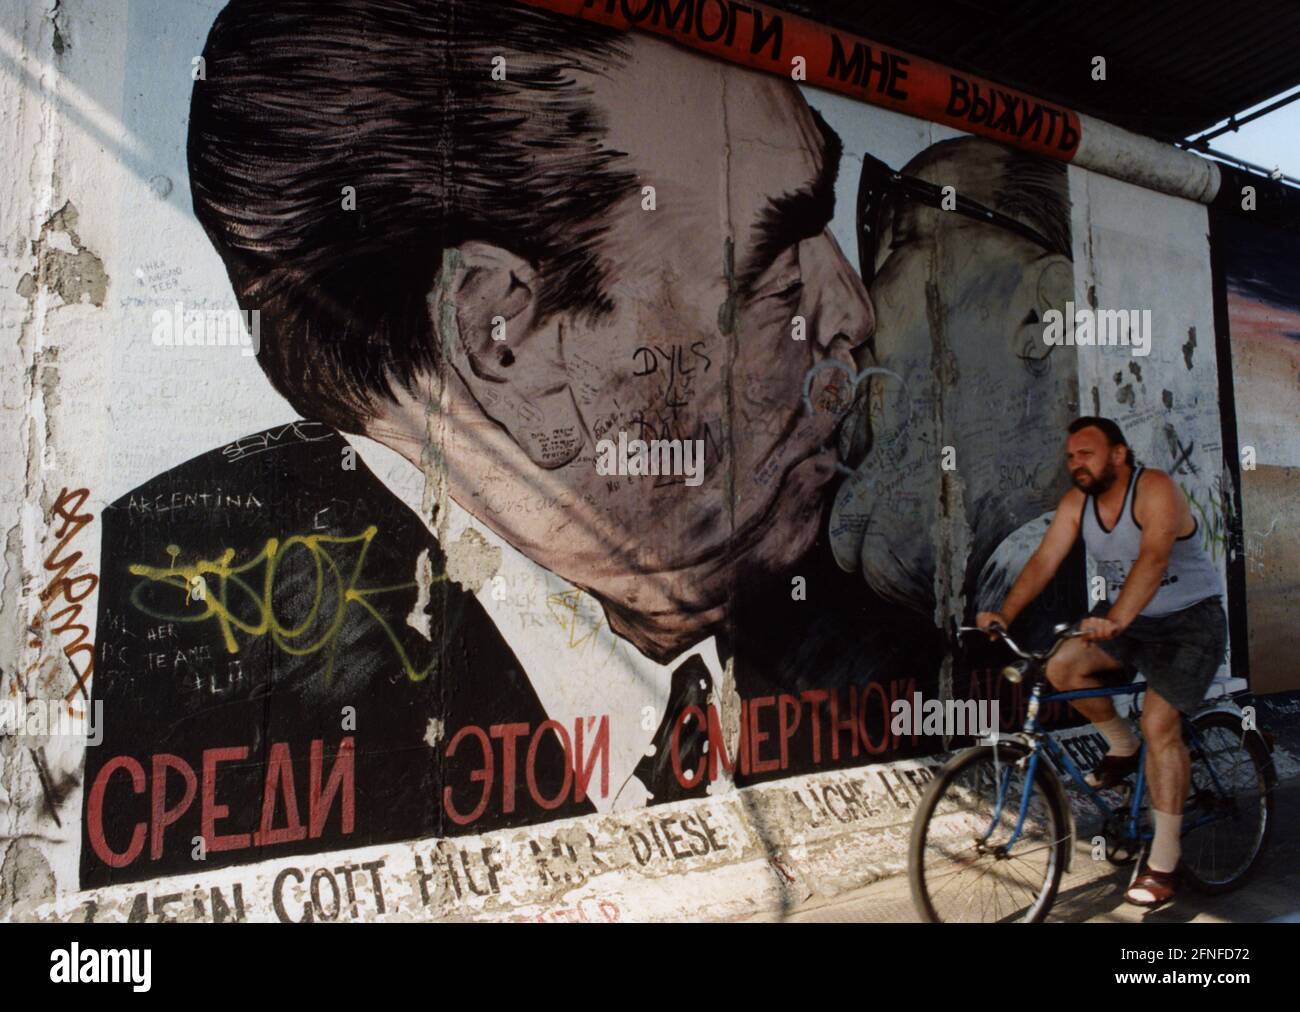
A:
{"x":1098,"y":485}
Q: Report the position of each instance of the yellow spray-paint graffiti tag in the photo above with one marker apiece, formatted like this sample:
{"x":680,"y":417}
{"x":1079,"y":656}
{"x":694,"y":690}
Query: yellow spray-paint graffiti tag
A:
{"x":213,"y":590}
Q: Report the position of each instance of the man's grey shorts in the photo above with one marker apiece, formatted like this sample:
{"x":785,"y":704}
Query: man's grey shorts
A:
{"x":1178,"y":653}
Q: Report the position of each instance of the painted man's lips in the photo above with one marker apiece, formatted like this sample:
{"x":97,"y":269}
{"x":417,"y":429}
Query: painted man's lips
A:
{"x":851,"y":435}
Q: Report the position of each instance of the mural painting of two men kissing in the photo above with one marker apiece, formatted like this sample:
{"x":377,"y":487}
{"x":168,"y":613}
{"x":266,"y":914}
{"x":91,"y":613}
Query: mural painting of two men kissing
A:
{"x":432,"y":613}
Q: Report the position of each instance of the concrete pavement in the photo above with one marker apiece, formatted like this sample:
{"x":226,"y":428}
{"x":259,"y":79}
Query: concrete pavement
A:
{"x":1092,"y":891}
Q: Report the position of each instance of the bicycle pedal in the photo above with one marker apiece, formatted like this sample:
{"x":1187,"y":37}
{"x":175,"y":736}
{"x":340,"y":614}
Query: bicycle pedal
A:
{"x":1120,"y":854}
{"x":1122,"y":791}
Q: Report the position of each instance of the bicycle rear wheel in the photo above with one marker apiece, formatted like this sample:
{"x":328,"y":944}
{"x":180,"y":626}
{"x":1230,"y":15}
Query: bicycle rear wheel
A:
{"x":960,"y":866}
{"x":1228,"y":817}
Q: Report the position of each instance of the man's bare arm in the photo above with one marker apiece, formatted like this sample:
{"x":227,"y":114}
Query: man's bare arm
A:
{"x":1043,"y":564}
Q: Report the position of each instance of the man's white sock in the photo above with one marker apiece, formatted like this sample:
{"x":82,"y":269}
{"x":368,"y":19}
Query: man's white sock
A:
{"x":1119,"y":736}
{"x":1167,"y":846}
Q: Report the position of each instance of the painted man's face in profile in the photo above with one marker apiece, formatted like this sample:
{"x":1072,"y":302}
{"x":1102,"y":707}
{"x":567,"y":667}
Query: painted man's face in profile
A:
{"x":724,"y":295}
{"x":959,"y":306}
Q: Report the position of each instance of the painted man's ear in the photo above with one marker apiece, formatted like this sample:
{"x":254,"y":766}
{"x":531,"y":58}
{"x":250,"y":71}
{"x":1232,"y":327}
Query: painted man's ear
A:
{"x":1054,"y":285}
{"x":1046,"y":284}
{"x":484,"y":310}
{"x":493,"y":292}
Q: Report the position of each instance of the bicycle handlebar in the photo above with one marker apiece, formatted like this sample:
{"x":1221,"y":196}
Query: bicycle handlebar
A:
{"x":996,"y":631}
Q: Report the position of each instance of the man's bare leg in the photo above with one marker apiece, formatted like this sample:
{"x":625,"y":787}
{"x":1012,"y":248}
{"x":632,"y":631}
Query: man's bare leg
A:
{"x":1169,"y":772}
{"x":1073,"y":667}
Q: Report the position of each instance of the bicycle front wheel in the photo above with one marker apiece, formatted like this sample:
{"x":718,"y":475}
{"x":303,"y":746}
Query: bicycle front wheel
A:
{"x":967,"y":861}
{"x":1229,"y":811}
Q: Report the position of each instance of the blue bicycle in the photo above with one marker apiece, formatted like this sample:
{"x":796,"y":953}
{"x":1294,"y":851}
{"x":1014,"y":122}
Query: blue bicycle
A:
{"x":994,"y":832}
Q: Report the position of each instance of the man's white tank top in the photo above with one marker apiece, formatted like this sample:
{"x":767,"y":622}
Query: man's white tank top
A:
{"x":1191,"y":576}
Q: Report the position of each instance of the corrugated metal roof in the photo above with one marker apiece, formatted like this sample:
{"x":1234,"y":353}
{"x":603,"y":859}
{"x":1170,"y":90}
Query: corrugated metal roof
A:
{"x":1173,"y":67}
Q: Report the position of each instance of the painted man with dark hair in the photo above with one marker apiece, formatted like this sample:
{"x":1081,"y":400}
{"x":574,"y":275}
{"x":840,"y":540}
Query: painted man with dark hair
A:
{"x":433,"y":149}
{"x":481,"y":238}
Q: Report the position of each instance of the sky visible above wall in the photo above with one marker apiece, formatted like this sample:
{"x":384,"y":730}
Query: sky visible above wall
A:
{"x":1272,"y":141}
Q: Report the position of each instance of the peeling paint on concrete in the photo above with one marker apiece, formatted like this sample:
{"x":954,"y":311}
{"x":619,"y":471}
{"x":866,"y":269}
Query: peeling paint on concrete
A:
{"x":58,"y":22}
{"x":442,"y":308}
{"x":730,"y":712}
{"x":9,"y":645}
{"x":25,"y":875}
{"x":471,"y":561}
{"x":64,"y":266}
{"x":419,"y":619}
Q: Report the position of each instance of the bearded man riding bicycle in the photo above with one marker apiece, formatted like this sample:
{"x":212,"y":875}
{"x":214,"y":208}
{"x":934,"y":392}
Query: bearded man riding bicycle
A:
{"x":1163,"y":615}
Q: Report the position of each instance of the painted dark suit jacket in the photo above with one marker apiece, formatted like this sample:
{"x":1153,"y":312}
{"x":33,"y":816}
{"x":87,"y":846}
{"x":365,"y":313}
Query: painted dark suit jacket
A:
{"x":332,"y":553}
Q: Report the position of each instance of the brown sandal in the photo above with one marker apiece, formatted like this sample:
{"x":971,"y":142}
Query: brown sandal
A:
{"x":1160,"y":886}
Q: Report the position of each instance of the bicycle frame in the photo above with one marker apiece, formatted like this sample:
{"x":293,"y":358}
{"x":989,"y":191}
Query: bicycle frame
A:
{"x":1043,"y":741}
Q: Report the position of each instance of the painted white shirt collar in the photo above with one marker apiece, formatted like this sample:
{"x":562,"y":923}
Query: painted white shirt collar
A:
{"x":577,"y":665}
